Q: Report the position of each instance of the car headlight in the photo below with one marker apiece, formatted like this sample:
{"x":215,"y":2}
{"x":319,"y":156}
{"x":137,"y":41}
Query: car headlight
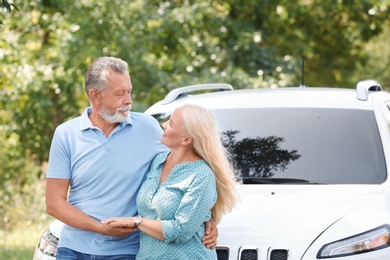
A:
{"x":48,"y":243}
{"x":371,"y":240}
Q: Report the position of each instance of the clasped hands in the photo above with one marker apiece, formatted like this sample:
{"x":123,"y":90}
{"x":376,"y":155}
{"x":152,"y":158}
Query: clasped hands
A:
{"x":122,"y":226}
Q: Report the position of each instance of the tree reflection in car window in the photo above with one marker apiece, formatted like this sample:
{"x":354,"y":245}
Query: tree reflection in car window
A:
{"x":258,"y":157}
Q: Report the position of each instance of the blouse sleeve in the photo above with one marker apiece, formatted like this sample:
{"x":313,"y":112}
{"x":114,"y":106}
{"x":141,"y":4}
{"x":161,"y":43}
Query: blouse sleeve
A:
{"x":194,"y":208}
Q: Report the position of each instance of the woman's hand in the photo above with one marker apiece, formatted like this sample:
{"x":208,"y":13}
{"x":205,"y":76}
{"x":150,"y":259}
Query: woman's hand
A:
{"x":124,"y":222}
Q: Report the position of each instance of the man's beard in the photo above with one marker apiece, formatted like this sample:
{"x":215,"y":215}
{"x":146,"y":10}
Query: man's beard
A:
{"x":115,"y":117}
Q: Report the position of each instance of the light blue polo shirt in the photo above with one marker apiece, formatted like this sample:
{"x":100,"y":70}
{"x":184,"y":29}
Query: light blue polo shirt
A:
{"x":105,"y":175}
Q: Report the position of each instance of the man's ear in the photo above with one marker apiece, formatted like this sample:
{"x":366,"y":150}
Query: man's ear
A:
{"x":93,"y":96}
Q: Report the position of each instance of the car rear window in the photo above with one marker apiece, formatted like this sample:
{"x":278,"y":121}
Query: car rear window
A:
{"x":304,"y":146}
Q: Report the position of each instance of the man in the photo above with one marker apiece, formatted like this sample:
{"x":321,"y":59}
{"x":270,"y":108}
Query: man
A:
{"x":101,"y":158}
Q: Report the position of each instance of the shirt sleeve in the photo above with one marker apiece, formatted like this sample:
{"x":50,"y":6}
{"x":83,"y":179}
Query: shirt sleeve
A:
{"x":59,"y":159}
{"x":194,"y":208}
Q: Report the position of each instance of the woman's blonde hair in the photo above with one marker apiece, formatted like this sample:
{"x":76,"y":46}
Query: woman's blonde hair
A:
{"x":200,"y":124}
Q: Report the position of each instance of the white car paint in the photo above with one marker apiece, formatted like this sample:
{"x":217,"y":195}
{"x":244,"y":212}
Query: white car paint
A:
{"x":301,"y":218}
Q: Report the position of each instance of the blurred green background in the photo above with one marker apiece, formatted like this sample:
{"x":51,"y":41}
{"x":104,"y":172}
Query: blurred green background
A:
{"x":47,"y":45}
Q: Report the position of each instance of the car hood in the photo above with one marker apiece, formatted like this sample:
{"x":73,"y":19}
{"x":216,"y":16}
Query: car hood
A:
{"x":290,"y":216}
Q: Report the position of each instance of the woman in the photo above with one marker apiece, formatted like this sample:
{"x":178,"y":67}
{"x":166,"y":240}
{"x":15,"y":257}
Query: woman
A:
{"x":185,"y":187}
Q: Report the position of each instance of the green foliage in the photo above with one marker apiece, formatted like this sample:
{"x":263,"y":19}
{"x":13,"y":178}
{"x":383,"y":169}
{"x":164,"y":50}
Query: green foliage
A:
{"x":4,"y":4}
{"x":9,"y":7}
{"x":39,"y":91}
{"x":377,"y":60}
{"x":329,"y":35}
{"x":20,"y":243}
{"x":18,"y":176}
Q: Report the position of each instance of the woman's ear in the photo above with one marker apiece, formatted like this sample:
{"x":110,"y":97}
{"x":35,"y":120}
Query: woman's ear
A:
{"x":187,"y":140}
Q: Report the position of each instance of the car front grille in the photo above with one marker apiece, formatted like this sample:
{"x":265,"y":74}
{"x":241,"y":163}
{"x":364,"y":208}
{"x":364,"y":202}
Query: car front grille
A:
{"x":279,"y":254}
{"x":248,"y":254}
{"x":223,"y":253}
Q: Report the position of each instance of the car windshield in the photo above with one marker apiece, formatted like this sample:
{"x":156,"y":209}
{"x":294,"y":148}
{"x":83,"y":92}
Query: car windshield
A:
{"x":303,"y":146}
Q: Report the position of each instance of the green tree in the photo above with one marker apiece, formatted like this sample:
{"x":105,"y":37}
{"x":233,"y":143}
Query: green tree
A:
{"x":330,"y":35}
{"x":377,"y":60}
{"x":4,"y":4}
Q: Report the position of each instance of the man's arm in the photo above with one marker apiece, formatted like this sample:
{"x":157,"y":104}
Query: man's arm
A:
{"x":210,"y":238}
{"x":58,"y":207}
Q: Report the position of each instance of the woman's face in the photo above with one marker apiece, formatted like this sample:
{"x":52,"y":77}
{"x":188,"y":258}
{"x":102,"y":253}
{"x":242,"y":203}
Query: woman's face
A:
{"x":173,"y":135}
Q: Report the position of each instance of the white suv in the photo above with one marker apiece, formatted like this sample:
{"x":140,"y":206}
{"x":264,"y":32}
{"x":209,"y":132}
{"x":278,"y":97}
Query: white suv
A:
{"x":314,"y":168}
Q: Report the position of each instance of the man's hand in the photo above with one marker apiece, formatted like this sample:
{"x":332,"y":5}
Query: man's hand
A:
{"x":211,"y":234}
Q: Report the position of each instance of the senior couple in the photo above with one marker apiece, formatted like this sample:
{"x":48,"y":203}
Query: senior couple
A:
{"x":127,"y":189}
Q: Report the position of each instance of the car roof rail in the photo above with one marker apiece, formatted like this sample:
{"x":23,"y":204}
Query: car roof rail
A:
{"x":363,"y":87}
{"x":183,"y":91}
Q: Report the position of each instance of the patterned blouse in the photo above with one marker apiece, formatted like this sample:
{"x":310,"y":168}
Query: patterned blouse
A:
{"x":183,"y":203}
